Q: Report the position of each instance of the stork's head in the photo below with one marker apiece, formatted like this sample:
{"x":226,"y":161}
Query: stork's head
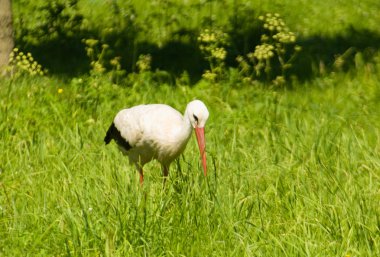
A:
{"x":197,"y":113}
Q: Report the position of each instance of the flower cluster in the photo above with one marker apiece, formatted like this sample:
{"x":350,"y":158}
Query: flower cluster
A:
{"x":210,"y":37}
{"x":115,"y":62}
{"x":273,"y":22}
{"x":285,"y":37}
{"x":279,"y":81}
{"x":277,"y":28}
{"x":97,"y":67}
{"x":262,"y":52}
{"x":273,"y":43}
{"x":219,"y":53}
{"x":276,"y":41}
{"x":96,"y":55}
{"x":207,"y":37}
{"x":144,"y":62}
{"x":212,"y":44}
{"x":20,"y":62}
{"x":90,"y":45}
{"x":209,"y":75}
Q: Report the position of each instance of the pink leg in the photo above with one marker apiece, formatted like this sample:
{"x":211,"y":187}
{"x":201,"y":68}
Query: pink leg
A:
{"x":165,"y":171}
{"x":141,"y":176}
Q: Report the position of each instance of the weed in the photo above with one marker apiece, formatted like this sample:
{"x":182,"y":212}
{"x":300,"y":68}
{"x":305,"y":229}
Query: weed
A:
{"x":23,"y":64}
{"x":96,"y":55}
{"x":212,"y":43}
{"x":277,"y":42}
{"x":144,"y":63}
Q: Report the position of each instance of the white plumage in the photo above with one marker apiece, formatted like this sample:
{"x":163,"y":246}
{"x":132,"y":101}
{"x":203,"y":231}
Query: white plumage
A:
{"x":157,"y":131}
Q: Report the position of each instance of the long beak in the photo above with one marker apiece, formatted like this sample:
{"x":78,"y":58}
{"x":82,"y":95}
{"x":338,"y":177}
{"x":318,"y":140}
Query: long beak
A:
{"x":200,"y":133}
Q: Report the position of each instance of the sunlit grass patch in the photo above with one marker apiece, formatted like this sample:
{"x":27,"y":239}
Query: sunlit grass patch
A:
{"x":290,"y":173}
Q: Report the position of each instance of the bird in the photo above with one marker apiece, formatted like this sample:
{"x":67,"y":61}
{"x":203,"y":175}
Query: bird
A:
{"x":158,"y":131}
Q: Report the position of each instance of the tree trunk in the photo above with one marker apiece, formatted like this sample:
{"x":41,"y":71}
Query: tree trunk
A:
{"x":6,"y":33}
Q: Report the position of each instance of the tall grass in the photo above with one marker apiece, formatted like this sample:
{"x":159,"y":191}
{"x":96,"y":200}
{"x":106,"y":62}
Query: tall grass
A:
{"x":292,"y":173}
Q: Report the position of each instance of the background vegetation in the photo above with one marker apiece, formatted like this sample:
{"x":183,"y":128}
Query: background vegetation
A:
{"x":330,"y":34}
{"x":293,"y":138}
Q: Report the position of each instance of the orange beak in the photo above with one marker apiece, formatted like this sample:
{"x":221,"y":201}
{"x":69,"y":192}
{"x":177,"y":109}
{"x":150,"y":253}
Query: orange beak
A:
{"x":200,"y":133}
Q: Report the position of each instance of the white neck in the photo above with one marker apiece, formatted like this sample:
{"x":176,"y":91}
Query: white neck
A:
{"x":187,"y":128}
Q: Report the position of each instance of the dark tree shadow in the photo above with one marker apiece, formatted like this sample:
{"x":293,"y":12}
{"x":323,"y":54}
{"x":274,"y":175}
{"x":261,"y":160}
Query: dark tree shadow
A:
{"x":177,"y":56}
{"x":325,"y":54}
{"x":67,"y":56}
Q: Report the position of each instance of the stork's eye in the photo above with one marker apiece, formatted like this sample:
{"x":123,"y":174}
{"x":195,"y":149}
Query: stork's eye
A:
{"x":195,"y":118}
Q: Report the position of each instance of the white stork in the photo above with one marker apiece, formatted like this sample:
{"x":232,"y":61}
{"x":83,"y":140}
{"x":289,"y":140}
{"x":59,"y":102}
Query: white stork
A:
{"x":157,"y":131}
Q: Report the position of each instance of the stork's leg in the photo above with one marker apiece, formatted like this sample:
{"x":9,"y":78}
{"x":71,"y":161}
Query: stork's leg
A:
{"x":165,"y":171}
{"x":141,"y":175}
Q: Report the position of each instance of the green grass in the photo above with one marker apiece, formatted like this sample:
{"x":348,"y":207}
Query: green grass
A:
{"x":291,"y":173}
{"x":307,"y":19}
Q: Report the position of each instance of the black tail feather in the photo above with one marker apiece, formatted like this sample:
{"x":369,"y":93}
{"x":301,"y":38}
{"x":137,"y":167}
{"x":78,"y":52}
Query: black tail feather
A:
{"x":110,"y":133}
{"x":114,"y":133}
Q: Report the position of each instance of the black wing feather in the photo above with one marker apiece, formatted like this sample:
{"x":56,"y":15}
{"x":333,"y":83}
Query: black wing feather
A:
{"x":114,"y":133}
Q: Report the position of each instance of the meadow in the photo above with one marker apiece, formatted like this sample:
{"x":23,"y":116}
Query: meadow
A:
{"x":293,"y":171}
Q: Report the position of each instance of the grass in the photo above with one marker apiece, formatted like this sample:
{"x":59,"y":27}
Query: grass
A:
{"x":291,"y":173}
{"x":304,"y":18}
